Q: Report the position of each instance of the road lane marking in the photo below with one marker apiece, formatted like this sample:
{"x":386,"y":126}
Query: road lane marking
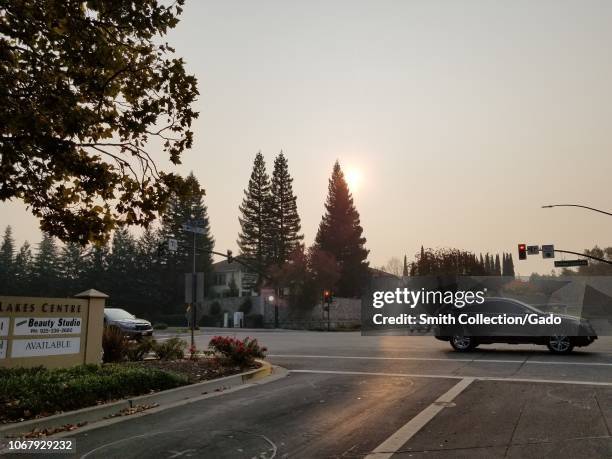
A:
{"x":546,"y":362}
{"x":439,"y":359}
{"x":445,"y":376}
{"x":392,"y":444}
{"x":122,"y":440}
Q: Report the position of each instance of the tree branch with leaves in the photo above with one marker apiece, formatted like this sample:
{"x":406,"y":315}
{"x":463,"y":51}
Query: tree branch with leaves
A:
{"x":86,"y":88}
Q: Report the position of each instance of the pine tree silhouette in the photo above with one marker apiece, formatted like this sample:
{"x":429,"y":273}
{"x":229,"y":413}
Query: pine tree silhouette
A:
{"x":254,"y":239}
{"x":284,"y":218}
{"x":340,"y":234}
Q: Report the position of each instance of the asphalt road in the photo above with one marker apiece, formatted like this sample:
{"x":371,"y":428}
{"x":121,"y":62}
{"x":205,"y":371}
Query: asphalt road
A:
{"x":349,"y":396}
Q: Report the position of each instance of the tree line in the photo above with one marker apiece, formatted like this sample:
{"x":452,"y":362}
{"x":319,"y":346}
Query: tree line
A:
{"x":142,"y":275}
{"x":137,"y":272}
{"x":454,"y":261}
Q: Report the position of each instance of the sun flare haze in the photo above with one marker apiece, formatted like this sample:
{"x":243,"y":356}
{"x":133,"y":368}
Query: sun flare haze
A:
{"x":353,"y":178}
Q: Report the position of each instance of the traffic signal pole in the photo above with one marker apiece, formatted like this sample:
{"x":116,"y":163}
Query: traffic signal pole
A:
{"x":602,"y":260}
{"x":522,"y":252}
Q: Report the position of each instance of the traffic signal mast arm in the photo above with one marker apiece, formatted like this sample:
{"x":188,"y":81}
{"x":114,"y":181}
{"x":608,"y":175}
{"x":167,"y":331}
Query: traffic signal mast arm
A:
{"x":231,"y":259}
{"x":522,"y":249}
{"x":577,"y":205}
{"x":584,"y":255}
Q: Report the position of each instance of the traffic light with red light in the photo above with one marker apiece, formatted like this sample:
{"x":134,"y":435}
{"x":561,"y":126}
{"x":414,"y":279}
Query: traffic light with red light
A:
{"x":522,"y":251}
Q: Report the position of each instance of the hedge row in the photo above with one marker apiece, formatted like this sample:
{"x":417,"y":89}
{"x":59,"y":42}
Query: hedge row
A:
{"x":27,"y":392}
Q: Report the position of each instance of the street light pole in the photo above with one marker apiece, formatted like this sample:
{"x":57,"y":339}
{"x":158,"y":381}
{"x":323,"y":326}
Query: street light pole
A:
{"x":272,"y":300}
{"x":602,"y":260}
{"x":550,"y":206}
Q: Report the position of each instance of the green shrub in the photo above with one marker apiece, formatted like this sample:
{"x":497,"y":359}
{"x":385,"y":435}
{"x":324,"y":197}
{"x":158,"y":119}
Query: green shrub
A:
{"x":171,"y":349}
{"x":160,"y":326}
{"x":114,"y":345}
{"x":27,"y":392}
{"x":137,"y":351}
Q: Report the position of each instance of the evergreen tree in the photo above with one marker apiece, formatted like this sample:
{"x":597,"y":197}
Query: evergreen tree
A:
{"x":181,"y":209}
{"x":7,"y":251}
{"x":96,"y":269}
{"x":423,"y":266}
{"x":22,"y":269}
{"x":121,"y":269}
{"x":255,"y":220}
{"x":46,"y":273}
{"x":405,"y":271}
{"x":497,"y":266}
{"x":509,"y":270}
{"x":488,"y":266}
{"x":340,"y":234}
{"x":71,"y":269}
{"x":148,"y":265}
{"x":284,"y":218}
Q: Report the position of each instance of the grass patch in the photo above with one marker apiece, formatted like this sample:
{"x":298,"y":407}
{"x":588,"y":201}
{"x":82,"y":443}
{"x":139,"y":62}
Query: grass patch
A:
{"x":33,"y":392}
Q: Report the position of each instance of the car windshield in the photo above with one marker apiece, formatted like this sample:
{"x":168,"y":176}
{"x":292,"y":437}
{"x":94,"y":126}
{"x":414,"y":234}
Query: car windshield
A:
{"x":118,"y":314}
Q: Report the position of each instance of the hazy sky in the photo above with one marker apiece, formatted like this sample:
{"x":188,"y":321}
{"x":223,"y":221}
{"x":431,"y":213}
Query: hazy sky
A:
{"x":462,"y":117}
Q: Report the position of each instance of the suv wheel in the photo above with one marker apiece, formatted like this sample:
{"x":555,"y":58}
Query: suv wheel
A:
{"x":560,"y":344}
{"x":462,"y":343}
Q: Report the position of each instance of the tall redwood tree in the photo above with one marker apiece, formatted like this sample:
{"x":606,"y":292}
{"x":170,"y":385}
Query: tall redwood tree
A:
{"x":341,"y":235}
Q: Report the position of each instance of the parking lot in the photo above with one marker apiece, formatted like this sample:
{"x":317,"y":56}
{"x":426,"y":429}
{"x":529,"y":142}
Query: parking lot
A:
{"x":351,"y":396}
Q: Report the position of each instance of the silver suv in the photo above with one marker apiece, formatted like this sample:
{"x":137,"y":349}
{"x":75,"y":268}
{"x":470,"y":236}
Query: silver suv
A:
{"x":129,"y":324}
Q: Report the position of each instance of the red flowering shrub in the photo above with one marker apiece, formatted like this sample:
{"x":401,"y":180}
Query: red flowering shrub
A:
{"x":241,"y":353}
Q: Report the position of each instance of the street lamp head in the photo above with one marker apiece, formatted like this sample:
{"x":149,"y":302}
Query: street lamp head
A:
{"x":271,"y":298}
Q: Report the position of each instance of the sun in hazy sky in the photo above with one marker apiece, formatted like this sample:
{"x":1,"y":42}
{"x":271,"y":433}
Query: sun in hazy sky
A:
{"x":353,"y":178}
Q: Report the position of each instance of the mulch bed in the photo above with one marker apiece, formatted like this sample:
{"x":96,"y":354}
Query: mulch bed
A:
{"x":199,"y":369}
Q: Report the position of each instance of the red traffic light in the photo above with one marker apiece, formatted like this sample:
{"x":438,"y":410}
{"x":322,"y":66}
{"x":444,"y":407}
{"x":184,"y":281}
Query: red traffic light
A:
{"x":522,"y":251}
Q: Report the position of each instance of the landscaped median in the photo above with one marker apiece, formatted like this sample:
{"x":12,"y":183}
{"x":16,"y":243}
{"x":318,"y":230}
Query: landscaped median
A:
{"x":38,"y":401}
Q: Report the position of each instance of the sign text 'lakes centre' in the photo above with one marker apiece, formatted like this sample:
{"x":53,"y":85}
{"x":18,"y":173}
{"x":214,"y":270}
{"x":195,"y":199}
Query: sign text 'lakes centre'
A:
{"x":51,"y":331}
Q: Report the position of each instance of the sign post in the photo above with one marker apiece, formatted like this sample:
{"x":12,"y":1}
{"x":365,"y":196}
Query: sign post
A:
{"x":191,"y":227}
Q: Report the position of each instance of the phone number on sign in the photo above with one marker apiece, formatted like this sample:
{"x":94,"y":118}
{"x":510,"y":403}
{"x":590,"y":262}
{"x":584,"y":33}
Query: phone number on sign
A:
{"x":33,"y":446}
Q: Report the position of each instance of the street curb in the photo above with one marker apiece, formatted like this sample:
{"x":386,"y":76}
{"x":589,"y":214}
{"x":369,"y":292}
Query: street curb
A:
{"x":168,"y":397}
